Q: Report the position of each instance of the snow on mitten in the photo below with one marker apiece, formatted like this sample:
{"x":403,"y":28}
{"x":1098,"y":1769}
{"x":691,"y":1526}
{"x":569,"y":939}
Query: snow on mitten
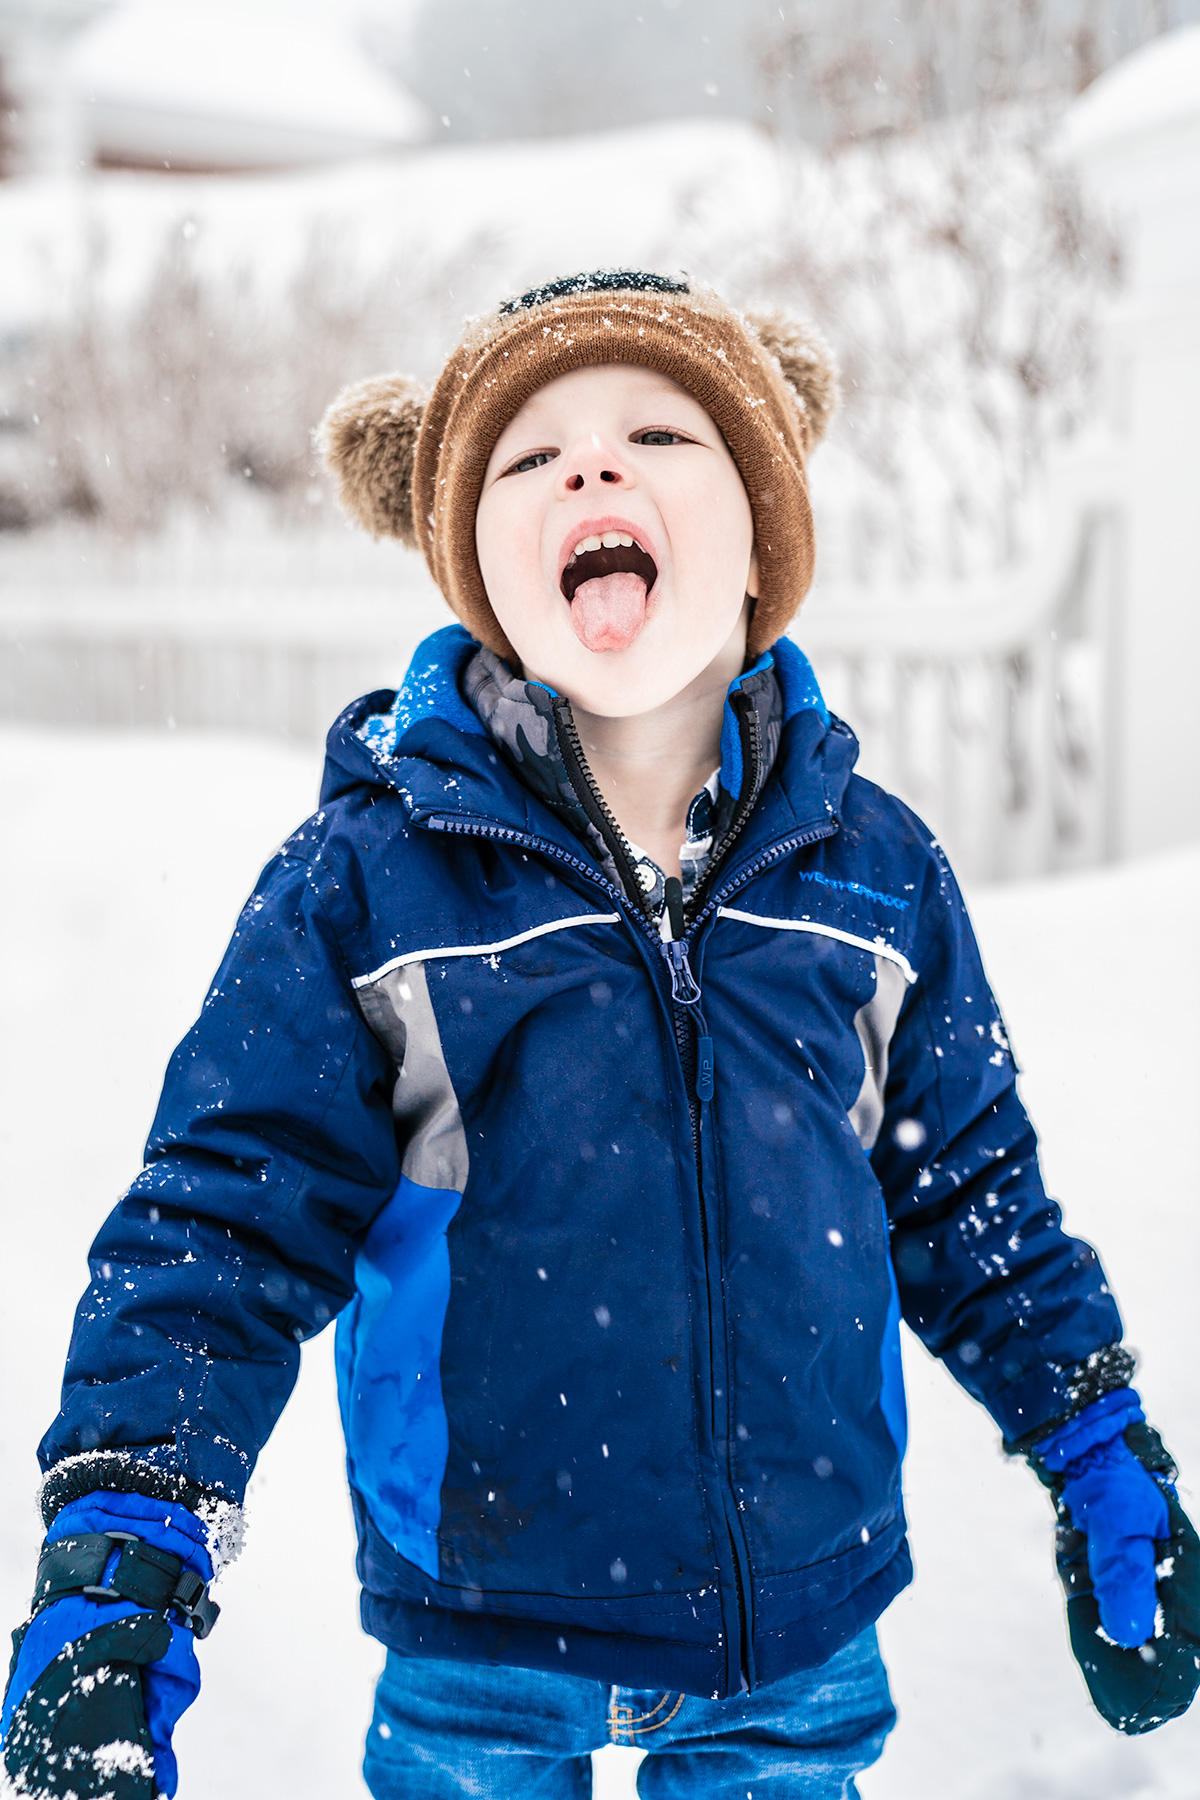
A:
{"x":81,"y":1728}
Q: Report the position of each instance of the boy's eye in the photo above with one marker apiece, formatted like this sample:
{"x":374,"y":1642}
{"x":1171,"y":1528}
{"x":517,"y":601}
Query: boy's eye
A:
{"x":659,"y":437}
{"x":534,"y":460}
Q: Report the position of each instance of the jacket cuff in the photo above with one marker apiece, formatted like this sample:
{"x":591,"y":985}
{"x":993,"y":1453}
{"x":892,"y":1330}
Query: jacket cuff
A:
{"x":126,"y":1472}
{"x":1046,"y":1398}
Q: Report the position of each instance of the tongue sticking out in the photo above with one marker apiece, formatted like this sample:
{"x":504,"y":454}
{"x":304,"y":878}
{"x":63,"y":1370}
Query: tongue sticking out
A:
{"x":609,"y":611}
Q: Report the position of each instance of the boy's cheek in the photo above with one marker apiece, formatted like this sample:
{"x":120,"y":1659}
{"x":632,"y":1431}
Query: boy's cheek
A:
{"x":507,"y":539}
{"x":512,"y":579}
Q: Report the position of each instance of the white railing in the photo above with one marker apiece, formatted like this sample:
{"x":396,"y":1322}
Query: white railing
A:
{"x":987,"y":706}
{"x":283,"y":661}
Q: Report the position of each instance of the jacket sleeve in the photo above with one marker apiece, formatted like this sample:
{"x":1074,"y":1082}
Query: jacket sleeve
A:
{"x":272,"y":1150}
{"x":987,"y":1277}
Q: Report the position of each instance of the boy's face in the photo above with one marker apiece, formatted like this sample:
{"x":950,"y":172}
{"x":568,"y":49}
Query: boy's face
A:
{"x":615,"y":539}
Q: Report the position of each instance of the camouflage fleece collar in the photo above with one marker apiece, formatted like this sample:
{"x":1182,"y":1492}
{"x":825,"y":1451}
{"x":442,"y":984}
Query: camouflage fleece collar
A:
{"x":519,"y":716}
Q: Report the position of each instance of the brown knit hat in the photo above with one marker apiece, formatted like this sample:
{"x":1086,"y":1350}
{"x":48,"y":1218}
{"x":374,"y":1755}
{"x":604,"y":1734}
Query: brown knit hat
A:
{"x":412,"y":467}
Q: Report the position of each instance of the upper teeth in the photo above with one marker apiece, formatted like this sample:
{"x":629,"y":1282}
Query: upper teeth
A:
{"x":609,"y":541}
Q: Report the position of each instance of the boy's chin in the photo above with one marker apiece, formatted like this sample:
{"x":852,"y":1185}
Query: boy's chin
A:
{"x":622,"y":684}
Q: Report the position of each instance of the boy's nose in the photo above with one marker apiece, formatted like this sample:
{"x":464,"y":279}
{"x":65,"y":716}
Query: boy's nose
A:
{"x":592,"y":463}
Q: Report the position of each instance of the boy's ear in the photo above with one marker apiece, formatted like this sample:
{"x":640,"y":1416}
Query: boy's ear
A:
{"x":368,"y":440}
{"x":808,"y":366}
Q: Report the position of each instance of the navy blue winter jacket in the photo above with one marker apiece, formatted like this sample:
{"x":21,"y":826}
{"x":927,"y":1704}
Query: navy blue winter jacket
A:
{"x":618,"y":1363}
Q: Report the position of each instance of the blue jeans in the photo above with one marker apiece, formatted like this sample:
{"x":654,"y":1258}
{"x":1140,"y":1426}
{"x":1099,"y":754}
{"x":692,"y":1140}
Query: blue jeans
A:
{"x":445,"y":1731}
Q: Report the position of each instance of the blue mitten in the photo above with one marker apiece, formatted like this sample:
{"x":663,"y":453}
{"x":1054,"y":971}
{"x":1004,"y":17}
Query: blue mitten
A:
{"x":121,"y":1589}
{"x":1129,"y":1561}
{"x":1118,"y":1506}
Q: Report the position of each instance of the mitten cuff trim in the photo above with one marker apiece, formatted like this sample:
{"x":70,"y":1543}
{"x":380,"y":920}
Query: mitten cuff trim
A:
{"x":1098,"y":1424}
{"x":123,"y":1472}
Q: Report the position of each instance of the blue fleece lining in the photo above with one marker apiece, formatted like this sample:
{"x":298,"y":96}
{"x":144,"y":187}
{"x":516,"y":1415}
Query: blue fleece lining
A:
{"x":798,"y":689}
{"x":430,"y":691}
{"x":798,"y":683}
{"x":731,"y":737}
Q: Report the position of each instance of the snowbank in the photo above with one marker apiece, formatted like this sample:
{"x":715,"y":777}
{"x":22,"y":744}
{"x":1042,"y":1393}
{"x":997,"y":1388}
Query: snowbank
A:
{"x":1153,"y":91}
{"x":128,"y":859}
{"x":608,"y":199}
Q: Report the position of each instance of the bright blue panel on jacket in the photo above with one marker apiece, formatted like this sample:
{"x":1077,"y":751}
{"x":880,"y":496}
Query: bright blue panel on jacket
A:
{"x":891,"y":1391}
{"x":389,"y":1346}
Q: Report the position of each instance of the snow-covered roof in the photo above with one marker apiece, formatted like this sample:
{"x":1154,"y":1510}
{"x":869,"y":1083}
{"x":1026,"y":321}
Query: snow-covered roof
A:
{"x":1154,"y":90}
{"x":230,"y":84}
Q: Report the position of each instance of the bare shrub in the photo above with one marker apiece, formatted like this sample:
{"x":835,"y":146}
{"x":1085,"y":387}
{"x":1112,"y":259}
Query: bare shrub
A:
{"x":947,"y":251}
{"x":959,"y":280}
{"x":212,"y":381}
{"x":9,"y":116}
{"x":837,"y":74}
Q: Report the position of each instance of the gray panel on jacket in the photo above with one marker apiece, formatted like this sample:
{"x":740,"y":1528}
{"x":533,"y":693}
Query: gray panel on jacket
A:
{"x":399,"y":1011}
{"x":875,"y":1022}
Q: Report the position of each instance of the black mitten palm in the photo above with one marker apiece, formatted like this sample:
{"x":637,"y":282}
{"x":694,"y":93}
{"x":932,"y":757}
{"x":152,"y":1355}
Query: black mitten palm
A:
{"x":81,"y":1729}
{"x":1129,"y":1561}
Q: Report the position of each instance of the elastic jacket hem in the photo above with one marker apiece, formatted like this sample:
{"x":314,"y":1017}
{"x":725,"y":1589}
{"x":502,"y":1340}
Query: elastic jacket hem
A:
{"x":636,"y":1657}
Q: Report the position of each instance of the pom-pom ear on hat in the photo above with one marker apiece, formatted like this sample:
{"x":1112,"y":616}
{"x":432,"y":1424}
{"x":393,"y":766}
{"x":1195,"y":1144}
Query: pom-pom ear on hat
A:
{"x":808,"y":366}
{"x":368,"y":439}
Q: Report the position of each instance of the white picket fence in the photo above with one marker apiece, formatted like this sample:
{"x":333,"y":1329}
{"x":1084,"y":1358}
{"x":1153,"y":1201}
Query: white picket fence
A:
{"x":271,"y":660}
{"x":990,"y":709}
{"x":987,"y":706}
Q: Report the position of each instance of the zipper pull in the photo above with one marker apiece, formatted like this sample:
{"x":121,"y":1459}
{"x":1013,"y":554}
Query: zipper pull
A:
{"x":684,"y":990}
{"x":673,"y":897}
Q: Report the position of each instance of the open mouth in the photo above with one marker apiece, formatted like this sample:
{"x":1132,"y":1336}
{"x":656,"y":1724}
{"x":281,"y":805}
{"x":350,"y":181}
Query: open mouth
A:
{"x":616,"y":553}
{"x":608,"y":580}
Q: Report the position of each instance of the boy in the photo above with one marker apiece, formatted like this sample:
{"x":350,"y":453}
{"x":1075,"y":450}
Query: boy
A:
{"x":618,"y":1066}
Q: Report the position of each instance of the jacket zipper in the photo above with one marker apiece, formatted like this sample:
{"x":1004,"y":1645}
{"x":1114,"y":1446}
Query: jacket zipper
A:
{"x":686,"y":995}
{"x":751,"y":741}
{"x":686,"y":998}
{"x":694,"y":1046}
{"x":684,"y":991}
{"x":595,"y":806}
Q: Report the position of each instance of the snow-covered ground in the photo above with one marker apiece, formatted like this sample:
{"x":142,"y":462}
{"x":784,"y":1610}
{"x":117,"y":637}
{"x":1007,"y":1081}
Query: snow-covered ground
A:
{"x":126,"y":861}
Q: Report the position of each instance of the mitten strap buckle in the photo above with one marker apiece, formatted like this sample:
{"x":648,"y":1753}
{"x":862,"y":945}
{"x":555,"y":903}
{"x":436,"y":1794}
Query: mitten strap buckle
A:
{"x":143,"y":1574}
